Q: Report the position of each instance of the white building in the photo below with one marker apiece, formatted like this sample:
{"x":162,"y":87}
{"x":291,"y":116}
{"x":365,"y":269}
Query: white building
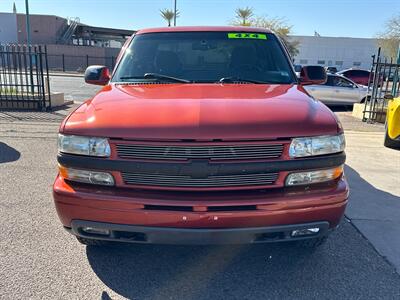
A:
{"x":340,"y":52}
{"x":8,"y":28}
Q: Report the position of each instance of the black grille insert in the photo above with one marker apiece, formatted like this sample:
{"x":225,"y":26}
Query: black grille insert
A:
{"x":232,"y":208}
{"x":209,"y":208}
{"x":168,"y":207}
{"x":210,"y":181}
{"x":133,"y":151}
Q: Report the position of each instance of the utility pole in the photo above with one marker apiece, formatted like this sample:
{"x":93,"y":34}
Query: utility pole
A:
{"x":174,"y":12}
{"x":28,"y":23}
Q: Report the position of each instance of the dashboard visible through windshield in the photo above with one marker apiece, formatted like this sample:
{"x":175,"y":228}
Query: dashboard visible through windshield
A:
{"x":205,"y":57}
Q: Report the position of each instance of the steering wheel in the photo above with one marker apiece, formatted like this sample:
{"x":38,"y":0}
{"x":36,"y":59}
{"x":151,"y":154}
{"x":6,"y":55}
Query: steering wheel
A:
{"x":247,"y":67}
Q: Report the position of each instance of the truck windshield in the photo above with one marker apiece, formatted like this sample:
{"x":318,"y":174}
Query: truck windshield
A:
{"x":205,"y":57}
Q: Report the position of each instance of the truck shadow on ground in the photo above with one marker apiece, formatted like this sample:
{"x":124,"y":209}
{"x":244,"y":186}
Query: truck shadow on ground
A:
{"x":368,"y":202}
{"x":345,"y":265}
{"x":8,"y":154}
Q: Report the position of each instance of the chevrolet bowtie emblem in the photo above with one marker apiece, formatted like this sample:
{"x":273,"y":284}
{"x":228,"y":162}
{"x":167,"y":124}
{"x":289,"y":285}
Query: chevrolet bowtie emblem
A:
{"x":199,"y":169}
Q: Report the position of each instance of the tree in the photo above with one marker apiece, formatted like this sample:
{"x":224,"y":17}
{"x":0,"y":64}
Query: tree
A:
{"x":389,"y":39}
{"x":168,"y":15}
{"x":282,"y":29}
{"x":244,"y":15}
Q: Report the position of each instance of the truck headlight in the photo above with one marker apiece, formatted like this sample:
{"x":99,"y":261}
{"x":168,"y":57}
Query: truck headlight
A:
{"x":317,"y":176}
{"x":87,"y":176}
{"x":82,"y":145}
{"x":319,"y":145}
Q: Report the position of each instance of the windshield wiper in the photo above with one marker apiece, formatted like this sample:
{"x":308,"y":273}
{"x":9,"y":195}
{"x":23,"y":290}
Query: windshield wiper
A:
{"x":238,"y":79}
{"x":156,"y":76}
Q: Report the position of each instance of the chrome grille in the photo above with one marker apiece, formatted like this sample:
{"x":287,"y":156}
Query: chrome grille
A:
{"x":200,"y":152}
{"x":210,"y":181}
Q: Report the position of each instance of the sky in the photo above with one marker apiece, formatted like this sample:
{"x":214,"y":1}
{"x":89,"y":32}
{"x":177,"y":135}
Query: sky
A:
{"x":344,"y":18}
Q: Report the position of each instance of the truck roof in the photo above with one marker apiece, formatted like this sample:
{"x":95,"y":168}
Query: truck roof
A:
{"x":204,"y":28}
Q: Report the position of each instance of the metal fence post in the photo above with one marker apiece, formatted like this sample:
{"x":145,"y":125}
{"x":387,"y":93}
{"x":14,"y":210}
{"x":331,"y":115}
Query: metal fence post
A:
{"x":63,"y":62}
{"x":23,"y":78}
{"x":30,"y":67}
{"x":47,"y":75}
{"x":384,"y":71}
{"x":41,"y":81}
{"x":374,"y":87}
{"x":87,"y":61}
{"x":396,"y":75}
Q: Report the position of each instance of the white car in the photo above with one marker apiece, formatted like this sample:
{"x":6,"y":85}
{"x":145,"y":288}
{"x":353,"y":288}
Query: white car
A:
{"x":338,"y":90}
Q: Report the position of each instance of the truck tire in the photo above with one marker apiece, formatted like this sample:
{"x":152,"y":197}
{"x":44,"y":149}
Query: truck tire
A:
{"x":91,"y":242}
{"x":388,"y":142}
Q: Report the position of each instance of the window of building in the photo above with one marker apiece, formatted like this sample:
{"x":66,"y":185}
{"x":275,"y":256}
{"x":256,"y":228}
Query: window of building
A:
{"x":321,"y":62}
{"x":303,"y":61}
{"x":339,"y":63}
{"x":356,"y":63}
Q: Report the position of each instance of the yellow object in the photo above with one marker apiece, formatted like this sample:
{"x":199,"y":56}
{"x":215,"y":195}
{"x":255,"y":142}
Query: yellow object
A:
{"x":393,"y":119}
{"x":246,"y":35}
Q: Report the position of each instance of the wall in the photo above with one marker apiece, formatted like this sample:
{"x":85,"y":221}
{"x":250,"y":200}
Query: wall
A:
{"x":44,"y":29}
{"x":352,"y":52}
{"x":8,"y":28}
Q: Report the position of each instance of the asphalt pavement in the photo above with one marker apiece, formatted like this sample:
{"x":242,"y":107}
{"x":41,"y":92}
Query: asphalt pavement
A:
{"x":39,"y":260}
{"x":74,"y":88}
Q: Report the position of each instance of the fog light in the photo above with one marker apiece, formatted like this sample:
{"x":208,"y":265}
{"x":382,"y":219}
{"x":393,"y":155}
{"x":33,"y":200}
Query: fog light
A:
{"x":86,"y":176}
{"x":94,"y":230}
{"x":303,"y":232}
{"x":303,"y":178}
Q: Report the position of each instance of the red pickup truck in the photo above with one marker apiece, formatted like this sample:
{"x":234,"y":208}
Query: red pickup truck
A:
{"x":201,"y":135}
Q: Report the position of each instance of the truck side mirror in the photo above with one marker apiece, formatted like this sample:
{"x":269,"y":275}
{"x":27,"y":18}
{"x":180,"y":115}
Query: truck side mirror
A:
{"x":98,"y":75}
{"x":313,"y":75}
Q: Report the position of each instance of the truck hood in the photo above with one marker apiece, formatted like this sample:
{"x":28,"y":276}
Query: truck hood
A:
{"x":201,"y":112}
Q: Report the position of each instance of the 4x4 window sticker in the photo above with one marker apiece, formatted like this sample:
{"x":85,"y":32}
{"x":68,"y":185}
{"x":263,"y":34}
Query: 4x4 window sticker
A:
{"x":247,"y":35}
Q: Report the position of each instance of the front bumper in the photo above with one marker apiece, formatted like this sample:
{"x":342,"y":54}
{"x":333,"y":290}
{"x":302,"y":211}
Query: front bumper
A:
{"x":187,"y":236}
{"x":246,"y":213}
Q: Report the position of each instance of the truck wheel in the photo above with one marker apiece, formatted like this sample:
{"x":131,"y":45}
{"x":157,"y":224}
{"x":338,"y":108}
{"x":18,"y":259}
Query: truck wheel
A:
{"x":312,"y":243}
{"x":91,"y":242}
{"x":391,"y":143}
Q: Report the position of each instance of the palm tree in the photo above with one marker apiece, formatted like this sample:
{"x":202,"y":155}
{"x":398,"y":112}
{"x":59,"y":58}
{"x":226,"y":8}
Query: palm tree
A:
{"x":168,"y":15}
{"x":244,"y":15}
